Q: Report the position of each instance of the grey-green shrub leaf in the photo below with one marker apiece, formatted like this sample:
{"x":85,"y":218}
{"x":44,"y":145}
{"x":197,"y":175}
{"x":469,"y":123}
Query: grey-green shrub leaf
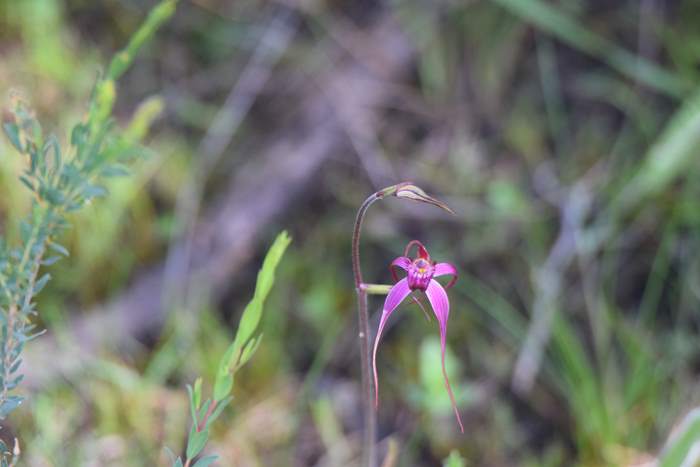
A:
{"x":12,"y":132}
{"x":196,"y":443}
{"x":205,"y":461}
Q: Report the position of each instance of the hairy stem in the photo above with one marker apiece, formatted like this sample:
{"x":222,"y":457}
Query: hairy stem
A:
{"x":8,"y":350}
{"x":19,"y":304}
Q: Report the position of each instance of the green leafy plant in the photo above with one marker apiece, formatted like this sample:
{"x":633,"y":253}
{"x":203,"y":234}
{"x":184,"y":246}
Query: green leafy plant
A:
{"x":244,"y":345}
{"x":61,"y":181}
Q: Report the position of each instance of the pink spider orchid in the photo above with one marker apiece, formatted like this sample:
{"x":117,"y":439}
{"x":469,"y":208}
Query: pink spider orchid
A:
{"x":421,"y":272}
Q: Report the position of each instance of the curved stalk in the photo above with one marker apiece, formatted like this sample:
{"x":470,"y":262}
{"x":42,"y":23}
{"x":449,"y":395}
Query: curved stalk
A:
{"x":402,"y":190}
{"x":370,"y":416}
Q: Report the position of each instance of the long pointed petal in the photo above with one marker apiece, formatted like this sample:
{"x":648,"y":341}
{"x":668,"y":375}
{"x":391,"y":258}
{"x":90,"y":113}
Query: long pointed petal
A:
{"x":400,"y":262}
{"x":396,"y":295}
{"x":444,"y":269}
{"x":441,"y":307}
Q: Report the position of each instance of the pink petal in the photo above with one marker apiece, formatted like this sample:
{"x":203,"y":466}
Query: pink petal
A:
{"x":441,"y":307}
{"x":400,"y":262}
{"x":443,"y":269}
{"x":396,"y":295}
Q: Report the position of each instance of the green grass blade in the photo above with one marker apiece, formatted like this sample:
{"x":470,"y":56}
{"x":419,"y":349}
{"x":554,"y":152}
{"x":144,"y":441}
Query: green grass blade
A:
{"x":553,"y":21}
{"x":680,"y":448}
{"x":672,"y":153}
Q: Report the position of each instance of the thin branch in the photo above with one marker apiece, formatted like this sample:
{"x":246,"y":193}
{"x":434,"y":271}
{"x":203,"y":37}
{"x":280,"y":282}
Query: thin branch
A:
{"x":548,"y":284}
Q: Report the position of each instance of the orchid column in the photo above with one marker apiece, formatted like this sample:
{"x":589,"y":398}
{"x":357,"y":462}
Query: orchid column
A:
{"x":405,"y":190}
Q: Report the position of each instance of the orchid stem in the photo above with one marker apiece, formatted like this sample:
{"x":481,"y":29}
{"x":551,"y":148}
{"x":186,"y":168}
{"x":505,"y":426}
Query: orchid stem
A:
{"x":370,"y":416}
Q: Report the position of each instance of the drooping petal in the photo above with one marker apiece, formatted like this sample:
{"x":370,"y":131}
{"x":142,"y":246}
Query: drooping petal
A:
{"x":441,"y":307}
{"x":396,"y":295}
{"x":444,"y":269}
{"x":401,"y":262}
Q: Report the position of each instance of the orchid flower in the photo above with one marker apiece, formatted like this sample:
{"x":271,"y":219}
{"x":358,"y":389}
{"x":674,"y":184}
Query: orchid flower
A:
{"x":420,"y":276}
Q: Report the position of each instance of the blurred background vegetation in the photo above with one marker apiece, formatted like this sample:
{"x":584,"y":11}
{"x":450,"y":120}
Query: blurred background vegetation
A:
{"x":563,"y":133}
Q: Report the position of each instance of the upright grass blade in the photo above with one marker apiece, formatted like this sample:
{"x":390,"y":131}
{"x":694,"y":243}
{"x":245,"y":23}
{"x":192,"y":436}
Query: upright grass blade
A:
{"x":672,"y":153}
{"x":583,"y":385}
{"x":682,"y":447}
{"x":553,"y":21}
